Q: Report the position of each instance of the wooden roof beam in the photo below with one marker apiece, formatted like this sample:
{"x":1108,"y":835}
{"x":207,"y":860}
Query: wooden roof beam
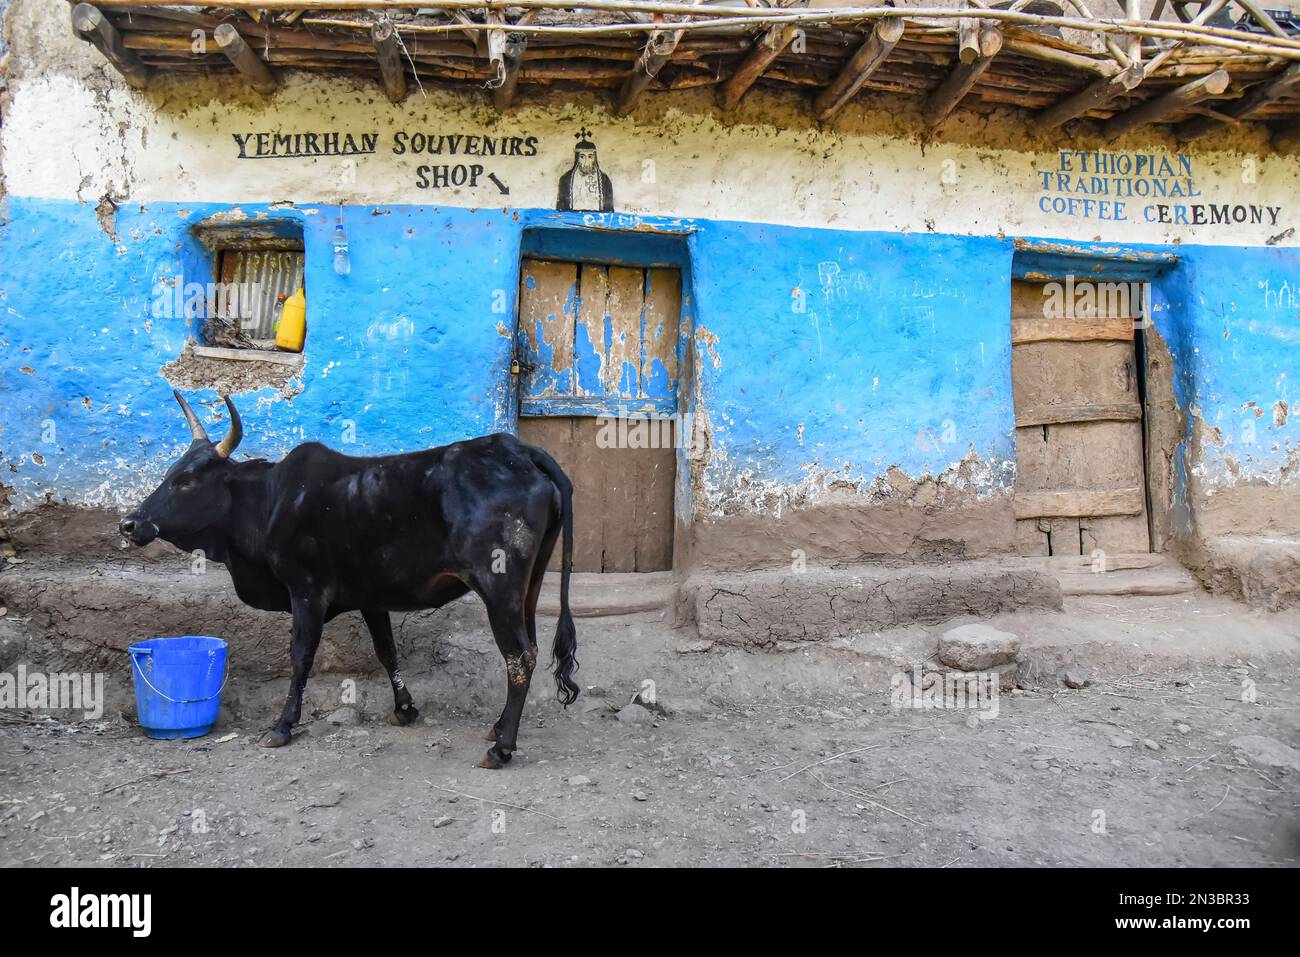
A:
{"x":1091,"y":97}
{"x":1175,"y":101}
{"x":659,"y":49}
{"x":506,"y":53}
{"x":1256,"y":98}
{"x":940,"y":104}
{"x":388,"y":50}
{"x":247,"y":62}
{"x":476,"y":36}
{"x":91,"y":25}
{"x":864,"y":62}
{"x":1207,"y":11}
{"x":765,"y":49}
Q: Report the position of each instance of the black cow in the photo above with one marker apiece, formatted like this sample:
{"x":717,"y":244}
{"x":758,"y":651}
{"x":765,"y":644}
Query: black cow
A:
{"x":320,"y":533}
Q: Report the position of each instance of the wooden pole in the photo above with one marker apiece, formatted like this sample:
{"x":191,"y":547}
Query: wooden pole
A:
{"x":658,"y":50}
{"x":471,"y":28}
{"x":737,"y":15}
{"x":873,"y":52}
{"x":940,"y":104}
{"x":511,"y":53}
{"x":968,"y":39}
{"x":766,"y":49}
{"x":1256,"y":98}
{"x":727,"y":17}
{"x":1207,"y":11}
{"x":1091,"y":97}
{"x":245,"y":60}
{"x":1019,"y":43}
{"x":1174,"y":101}
{"x":388,"y":50}
{"x":1133,"y":47}
{"x":91,"y":25}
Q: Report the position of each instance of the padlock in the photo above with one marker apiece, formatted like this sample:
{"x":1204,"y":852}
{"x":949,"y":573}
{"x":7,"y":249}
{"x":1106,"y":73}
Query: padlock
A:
{"x":514,"y":367}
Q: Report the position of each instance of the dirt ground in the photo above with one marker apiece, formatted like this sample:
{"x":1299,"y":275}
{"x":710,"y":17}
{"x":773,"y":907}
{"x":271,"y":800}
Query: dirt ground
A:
{"x":794,"y":757}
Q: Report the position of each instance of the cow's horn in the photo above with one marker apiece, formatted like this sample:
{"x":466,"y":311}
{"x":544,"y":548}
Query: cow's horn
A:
{"x":196,"y":427}
{"x":234,"y":434}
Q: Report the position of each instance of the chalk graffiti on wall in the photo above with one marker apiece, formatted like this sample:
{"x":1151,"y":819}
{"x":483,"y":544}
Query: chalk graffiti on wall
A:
{"x":1281,"y":295}
{"x":1139,"y":187}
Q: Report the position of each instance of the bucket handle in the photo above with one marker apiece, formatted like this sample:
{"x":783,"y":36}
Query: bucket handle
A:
{"x":224,"y":678}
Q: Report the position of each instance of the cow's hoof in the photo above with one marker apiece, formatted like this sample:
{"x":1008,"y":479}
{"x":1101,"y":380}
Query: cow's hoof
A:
{"x":495,"y":759}
{"x":403,"y":716}
{"x":275,"y":739}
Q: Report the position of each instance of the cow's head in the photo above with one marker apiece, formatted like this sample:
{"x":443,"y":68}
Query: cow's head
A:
{"x":195,"y":492}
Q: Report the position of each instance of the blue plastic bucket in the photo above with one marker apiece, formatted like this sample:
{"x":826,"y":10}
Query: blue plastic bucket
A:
{"x":178,"y":684}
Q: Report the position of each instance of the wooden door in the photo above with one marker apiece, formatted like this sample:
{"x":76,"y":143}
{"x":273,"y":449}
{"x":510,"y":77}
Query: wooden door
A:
{"x":622,"y":497}
{"x":597,"y":343}
{"x":1080,"y":480}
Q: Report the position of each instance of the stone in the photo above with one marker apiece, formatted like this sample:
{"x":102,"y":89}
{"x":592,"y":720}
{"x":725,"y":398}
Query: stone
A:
{"x":1150,"y":744}
{"x":977,"y":647}
{"x":1008,"y":677}
{"x":579,"y":780}
{"x":443,"y":821}
{"x":634,"y":714}
{"x":1269,"y":752}
{"x":346,"y":716}
{"x":1074,"y":679}
{"x":693,"y":647}
{"x":1182,"y":728}
{"x":639,"y":795}
{"x":1118,"y":742}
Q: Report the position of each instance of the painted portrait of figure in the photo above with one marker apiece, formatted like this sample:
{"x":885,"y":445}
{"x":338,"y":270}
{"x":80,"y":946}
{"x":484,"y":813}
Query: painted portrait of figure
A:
{"x":584,"y":186}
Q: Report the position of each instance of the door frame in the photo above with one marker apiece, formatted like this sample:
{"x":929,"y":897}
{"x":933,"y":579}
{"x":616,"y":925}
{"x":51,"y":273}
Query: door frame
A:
{"x":576,"y":238}
{"x":1054,"y":261}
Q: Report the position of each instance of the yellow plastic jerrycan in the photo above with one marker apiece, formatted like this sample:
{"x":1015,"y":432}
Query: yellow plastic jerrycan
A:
{"x":292,"y":328}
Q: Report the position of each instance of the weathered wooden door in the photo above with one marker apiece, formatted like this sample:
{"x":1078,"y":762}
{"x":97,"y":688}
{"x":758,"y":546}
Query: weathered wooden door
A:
{"x":1080,"y":479}
{"x":596,"y":343}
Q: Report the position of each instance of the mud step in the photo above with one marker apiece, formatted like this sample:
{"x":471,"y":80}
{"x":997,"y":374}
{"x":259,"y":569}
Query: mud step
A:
{"x":594,"y":595}
{"x":1114,"y":562}
{"x":1144,"y":581}
{"x":766,"y":608}
{"x":1261,"y":570}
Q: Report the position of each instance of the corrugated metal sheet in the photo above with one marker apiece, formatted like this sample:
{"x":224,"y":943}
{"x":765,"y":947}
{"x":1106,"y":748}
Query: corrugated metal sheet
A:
{"x":261,"y":276}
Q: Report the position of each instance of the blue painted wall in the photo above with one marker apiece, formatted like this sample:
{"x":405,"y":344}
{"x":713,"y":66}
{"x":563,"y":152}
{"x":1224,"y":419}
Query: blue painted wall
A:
{"x":1243,"y":348}
{"x":814,"y":350}
{"x":852,"y":352}
{"x":406,"y":346}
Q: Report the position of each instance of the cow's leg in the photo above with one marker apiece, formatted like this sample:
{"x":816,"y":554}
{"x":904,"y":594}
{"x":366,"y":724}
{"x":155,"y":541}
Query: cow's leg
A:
{"x":534,"y":592}
{"x":381,"y":632}
{"x":535,"y":579}
{"x":507,"y":620}
{"x":308,"y":620}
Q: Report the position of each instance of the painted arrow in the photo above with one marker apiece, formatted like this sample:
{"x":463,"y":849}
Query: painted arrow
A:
{"x":505,"y":190}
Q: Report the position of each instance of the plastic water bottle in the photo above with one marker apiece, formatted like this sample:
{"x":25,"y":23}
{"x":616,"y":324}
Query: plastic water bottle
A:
{"x":342,"y":263}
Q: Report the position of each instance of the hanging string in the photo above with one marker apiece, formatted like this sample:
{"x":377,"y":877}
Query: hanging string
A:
{"x":402,"y":46}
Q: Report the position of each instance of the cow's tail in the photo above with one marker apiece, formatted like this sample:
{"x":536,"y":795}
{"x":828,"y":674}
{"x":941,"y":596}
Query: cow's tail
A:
{"x":565,"y":650}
